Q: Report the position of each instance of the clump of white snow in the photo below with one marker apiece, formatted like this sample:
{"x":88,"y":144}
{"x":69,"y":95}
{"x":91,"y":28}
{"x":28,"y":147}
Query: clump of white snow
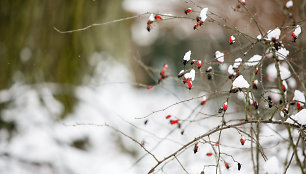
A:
{"x":151,"y":18}
{"x":190,"y":75}
{"x":273,"y":34}
{"x":300,"y":117}
{"x":187,"y":56}
{"x":297,"y":31}
{"x":259,"y":37}
{"x":203,"y":14}
{"x":289,"y":4}
{"x":253,"y":61}
{"x":284,"y":83}
{"x":282,"y":53}
{"x":240,"y":82}
{"x":299,"y":96}
{"x":232,"y":39}
{"x":230,"y":70}
{"x":237,"y":62}
{"x":219,"y":56}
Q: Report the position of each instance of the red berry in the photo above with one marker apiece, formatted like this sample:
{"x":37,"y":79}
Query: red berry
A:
{"x":226,"y":165}
{"x":150,"y":87}
{"x":196,"y":26}
{"x":225,"y":106}
{"x":255,"y":83}
{"x":285,"y":111}
{"x":168,"y":116}
{"x":203,"y":102}
{"x":299,"y":106}
{"x":158,"y":17}
{"x":173,"y":122}
{"x":188,"y":10}
{"x":189,"y":83}
{"x":149,"y":22}
{"x":209,"y":154}
{"x":196,"y":147}
{"x":255,"y":104}
{"x":199,"y":63}
{"x":274,"y":39}
{"x":162,"y":72}
{"x":230,"y":40}
{"x":283,"y":87}
{"x":185,"y":80}
{"x":242,"y":141}
{"x":149,"y":27}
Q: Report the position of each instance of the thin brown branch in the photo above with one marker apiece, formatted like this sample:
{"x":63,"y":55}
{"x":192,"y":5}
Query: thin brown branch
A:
{"x":217,"y":129}
{"x":288,"y":165}
{"x":181,"y":164}
{"x":98,"y":24}
{"x":117,"y":130}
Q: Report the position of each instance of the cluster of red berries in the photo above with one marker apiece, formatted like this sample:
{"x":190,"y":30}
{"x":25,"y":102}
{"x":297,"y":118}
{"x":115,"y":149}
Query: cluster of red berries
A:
{"x":172,"y":122}
{"x":175,"y":122}
{"x":299,"y":105}
{"x":152,"y":18}
{"x":162,"y":73}
{"x":209,"y":154}
{"x":199,"y":23}
{"x":198,"y":64}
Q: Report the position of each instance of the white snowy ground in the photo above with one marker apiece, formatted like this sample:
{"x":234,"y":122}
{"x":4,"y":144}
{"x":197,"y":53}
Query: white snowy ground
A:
{"x":41,"y":144}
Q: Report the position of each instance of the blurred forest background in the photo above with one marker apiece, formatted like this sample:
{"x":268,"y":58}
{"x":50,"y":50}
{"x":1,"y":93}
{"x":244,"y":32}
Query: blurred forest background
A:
{"x":32,"y":53}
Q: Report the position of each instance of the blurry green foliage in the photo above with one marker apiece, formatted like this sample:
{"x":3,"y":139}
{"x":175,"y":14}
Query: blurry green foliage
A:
{"x":31,"y":47}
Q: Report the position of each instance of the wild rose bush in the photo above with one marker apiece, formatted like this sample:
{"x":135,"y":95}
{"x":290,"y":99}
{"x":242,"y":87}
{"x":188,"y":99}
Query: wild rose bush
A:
{"x":260,"y":84}
{"x":255,"y":123}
